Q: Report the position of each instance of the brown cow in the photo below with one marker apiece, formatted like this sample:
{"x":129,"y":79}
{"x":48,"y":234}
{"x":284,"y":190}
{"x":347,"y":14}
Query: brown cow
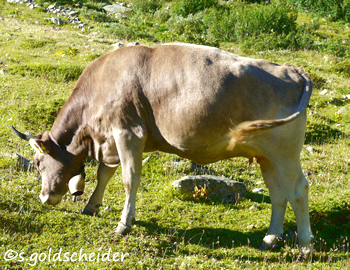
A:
{"x":198,"y":102}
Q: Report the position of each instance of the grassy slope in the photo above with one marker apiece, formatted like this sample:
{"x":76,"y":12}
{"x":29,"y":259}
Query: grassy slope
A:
{"x":171,"y":233}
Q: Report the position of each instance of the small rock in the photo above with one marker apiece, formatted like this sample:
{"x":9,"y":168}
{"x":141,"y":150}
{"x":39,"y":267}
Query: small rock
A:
{"x":258,"y":190}
{"x":82,"y":25}
{"x":311,"y":149}
{"x":108,"y":208}
{"x":72,"y":14}
{"x":342,"y":111}
{"x":116,"y":9}
{"x":145,"y":160}
{"x":56,"y":20}
{"x":118,"y":44}
{"x":3,"y":71}
{"x":7,"y":55}
{"x":133,"y":44}
{"x":53,"y":6}
{"x":254,"y":207}
{"x":306,"y":172}
{"x":347,"y":97}
{"x":251,"y":227}
{"x":216,"y":187}
{"x":323,"y":92}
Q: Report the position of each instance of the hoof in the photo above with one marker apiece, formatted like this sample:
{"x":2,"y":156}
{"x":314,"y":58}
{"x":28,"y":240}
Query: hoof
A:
{"x":89,"y":212}
{"x":270,"y":242}
{"x":122,"y":229}
{"x":305,"y":254}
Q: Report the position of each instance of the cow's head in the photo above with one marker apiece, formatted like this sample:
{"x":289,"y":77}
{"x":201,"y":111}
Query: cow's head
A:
{"x":55,"y":165}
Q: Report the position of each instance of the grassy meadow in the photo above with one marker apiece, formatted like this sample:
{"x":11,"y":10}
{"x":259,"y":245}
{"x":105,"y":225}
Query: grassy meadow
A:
{"x":39,"y":64}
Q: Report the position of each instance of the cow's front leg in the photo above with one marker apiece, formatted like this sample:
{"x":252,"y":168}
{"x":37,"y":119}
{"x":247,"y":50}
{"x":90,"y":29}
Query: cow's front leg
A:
{"x":104,"y":173}
{"x":130,"y":148}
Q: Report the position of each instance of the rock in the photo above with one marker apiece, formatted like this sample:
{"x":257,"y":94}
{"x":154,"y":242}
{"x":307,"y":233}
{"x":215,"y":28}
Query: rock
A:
{"x":53,"y":6}
{"x":323,"y":92}
{"x":82,"y":25}
{"x":306,"y":172}
{"x":118,"y":44}
{"x":108,"y":208}
{"x":116,"y":9}
{"x":216,"y":187}
{"x":251,"y":226}
{"x":56,"y":20}
{"x":258,"y":190}
{"x":3,"y":71}
{"x":311,"y":149}
{"x":254,"y":207}
{"x":133,"y":44}
{"x":145,"y":161}
{"x":72,"y":13}
{"x":341,"y":111}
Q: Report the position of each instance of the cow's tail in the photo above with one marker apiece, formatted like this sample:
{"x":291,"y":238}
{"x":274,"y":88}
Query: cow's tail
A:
{"x":245,"y":129}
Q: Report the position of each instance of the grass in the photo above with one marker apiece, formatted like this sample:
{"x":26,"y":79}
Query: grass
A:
{"x":43,"y":62}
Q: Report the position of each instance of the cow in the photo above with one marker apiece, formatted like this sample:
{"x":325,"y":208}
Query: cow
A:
{"x":198,"y":102}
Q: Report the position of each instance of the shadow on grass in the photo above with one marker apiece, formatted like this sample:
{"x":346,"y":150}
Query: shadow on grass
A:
{"x":213,"y":238}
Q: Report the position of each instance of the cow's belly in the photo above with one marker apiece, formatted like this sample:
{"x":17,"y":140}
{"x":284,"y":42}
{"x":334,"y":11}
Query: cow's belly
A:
{"x":208,"y":153}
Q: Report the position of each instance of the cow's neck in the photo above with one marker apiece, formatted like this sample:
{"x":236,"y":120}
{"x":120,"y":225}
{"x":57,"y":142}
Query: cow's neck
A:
{"x":70,"y":119}
{"x":67,"y":124}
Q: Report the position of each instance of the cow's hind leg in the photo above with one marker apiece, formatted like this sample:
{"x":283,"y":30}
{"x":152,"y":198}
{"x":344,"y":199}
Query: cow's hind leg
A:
{"x":104,"y":173}
{"x":279,"y":204}
{"x":292,"y":181}
{"x":130,"y":148}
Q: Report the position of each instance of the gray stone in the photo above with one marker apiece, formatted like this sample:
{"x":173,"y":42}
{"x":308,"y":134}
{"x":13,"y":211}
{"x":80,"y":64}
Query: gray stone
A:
{"x":306,"y":172}
{"x":56,"y":20}
{"x":53,"y":6}
{"x":116,"y":9}
{"x":118,"y":44}
{"x":133,"y":44}
{"x":216,"y":187}
{"x":310,"y":149}
{"x":258,"y":190}
{"x":323,"y":92}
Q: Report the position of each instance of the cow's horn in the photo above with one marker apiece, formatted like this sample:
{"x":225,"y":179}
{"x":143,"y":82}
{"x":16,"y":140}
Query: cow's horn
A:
{"x":23,"y":136}
{"x":76,"y":185}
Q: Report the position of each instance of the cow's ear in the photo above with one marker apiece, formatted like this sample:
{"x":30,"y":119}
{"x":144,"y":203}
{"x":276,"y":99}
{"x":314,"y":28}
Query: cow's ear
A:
{"x":38,"y":146}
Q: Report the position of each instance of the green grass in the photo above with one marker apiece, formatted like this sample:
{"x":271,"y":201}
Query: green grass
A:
{"x":43,"y":62}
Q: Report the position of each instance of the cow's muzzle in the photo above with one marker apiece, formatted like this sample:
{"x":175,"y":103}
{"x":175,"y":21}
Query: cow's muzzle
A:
{"x":50,"y":199}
